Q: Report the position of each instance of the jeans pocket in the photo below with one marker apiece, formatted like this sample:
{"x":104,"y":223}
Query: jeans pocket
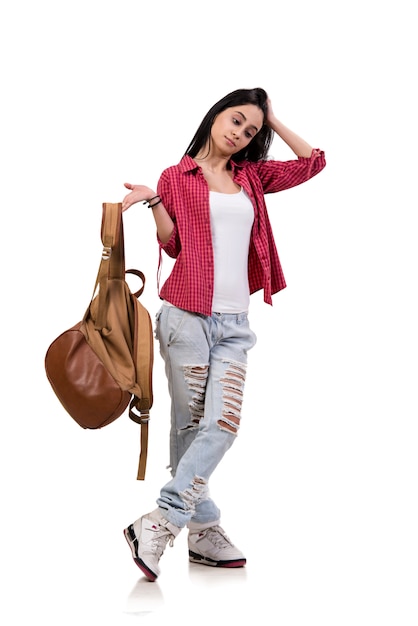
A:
{"x":157,"y":323}
{"x":174,"y":322}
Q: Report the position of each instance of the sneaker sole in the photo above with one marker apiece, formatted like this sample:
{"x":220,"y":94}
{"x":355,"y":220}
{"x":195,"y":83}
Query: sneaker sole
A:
{"x":133,"y":544}
{"x":203,"y":560}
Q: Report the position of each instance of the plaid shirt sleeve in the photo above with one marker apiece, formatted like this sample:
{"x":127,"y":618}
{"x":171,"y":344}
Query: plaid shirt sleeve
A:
{"x":280,"y":175}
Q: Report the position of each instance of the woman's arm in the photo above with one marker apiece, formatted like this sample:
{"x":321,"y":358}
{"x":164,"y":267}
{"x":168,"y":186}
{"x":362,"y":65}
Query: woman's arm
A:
{"x":141,"y":193}
{"x":299,"y":146}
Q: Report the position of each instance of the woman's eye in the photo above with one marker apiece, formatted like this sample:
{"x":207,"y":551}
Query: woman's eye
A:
{"x":237,"y":122}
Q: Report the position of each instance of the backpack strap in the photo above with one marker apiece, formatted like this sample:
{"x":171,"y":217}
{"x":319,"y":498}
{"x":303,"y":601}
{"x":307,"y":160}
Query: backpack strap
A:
{"x":140,"y":406}
{"x":112,"y":229}
{"x":112,"y":264}
{"x":141,"y":416}
{"x":113,"y":255}
{"x":112,"y":239}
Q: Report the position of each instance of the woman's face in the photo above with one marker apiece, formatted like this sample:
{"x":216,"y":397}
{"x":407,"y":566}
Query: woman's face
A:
{"x":234,"y":128}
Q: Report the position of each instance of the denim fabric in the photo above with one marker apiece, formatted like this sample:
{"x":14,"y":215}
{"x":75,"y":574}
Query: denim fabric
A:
{"x":205,"y":362}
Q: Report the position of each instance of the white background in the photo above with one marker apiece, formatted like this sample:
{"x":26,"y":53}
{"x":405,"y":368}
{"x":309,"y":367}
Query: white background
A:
{"x":320,"y":489}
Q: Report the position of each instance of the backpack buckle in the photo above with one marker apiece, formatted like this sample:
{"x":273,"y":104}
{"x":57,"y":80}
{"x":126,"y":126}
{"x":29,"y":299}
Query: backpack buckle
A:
{"x":141,"y":417}
{"x":106,"y":253}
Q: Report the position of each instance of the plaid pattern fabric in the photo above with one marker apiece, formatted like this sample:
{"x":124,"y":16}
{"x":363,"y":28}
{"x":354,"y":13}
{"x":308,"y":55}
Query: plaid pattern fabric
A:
{"x":185,"y":194}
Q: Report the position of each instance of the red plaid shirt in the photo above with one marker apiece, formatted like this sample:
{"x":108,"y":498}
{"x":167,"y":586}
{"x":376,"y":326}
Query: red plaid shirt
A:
{"x":185,"y":194}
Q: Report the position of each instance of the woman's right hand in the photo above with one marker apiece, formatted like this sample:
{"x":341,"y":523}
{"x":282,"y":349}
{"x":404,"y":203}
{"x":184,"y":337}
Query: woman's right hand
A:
{"x":138,"y":193}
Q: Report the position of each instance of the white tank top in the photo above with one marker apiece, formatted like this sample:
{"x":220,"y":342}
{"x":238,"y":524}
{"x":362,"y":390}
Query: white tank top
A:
{"x":232,"y":217}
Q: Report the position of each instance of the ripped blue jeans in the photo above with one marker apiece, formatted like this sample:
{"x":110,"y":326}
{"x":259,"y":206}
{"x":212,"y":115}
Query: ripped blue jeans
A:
{"x":205,"y":363}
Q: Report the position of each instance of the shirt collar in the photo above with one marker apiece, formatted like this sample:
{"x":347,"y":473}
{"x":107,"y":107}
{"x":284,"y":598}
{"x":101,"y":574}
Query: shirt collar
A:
{"x":187,"y":164}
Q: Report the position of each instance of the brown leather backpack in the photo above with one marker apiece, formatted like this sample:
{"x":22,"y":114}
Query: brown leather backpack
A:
{"x":104,"y":363}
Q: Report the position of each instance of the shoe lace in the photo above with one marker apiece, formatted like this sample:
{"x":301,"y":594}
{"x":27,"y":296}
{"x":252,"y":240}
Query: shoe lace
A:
{"x":160,"y":540}
{"x":218,"y":537}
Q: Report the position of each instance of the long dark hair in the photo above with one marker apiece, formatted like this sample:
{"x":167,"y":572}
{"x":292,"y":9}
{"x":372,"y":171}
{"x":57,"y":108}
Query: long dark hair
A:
{"x":258,"y":147}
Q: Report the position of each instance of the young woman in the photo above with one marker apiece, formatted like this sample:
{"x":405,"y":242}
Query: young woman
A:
{"x":211,"y":216}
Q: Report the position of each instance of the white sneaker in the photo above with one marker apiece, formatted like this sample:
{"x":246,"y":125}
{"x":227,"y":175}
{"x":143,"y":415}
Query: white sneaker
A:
{"x":212,"y":546}
{"x":147,"y":538}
